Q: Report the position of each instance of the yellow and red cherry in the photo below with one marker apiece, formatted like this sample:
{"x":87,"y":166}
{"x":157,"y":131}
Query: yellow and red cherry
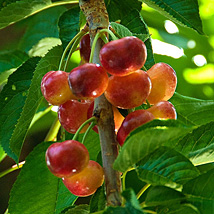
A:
{"x":164,"y":81}
{"x":87,"y":181}
{"x":128,"y":91}
{"x":72,"y":114}
{"x":131,"y":122}
{"x":123,"y":56}
{"x":88,"y":81}
{"x":67,"y":158}
{"x":163,"y":110}
{"x":55,"y":87}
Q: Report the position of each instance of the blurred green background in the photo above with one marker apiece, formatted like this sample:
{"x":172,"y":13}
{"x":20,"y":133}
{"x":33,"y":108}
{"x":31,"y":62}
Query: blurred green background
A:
{"x":190,"y":54}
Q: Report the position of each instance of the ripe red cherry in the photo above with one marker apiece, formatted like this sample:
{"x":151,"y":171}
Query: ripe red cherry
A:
{"x":88,"y":81}
{"x":131,"y":122}
{"x":67,"y":158}
{"x":72,"y":114}
{"x":55,"y":88}
{"x":123,"y":56}
{"x":164,"y":81}
{"x":85,"y":48}
{"x":128,"y":91}
{"x":118,"y":118}
{"x":87,"y":181}
{"x":163,"y":110}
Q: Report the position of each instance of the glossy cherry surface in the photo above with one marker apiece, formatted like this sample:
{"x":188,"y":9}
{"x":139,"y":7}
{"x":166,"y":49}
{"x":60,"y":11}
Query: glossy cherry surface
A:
{"x":55,"y":87}
{"x":128,"y":91}
{"x":163,"y":110}
{"x":132,"y":121}
{"x":85,"y":48}
{"x":164,"y":81}
{"x":67,"y":158}
{"x":87,"y":181}
{"x":88,"y":81}
{"x":123,"y":56}
{"x":72,"y":114}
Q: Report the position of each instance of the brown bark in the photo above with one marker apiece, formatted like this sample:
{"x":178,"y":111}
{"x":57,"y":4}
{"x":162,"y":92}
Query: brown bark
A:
{"x":97,"y":19}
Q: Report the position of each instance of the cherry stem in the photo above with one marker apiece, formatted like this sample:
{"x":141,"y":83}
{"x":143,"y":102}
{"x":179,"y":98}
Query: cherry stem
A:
{"x":13,"y":168}
{"x":87,"y":131}
{"x":148,"y":104}
{"x":52,"y":133}
{"x":101,"y":35}
{"x":73,"y":48}
{"x":76,"y":37}
{"x":92,"y":119}
{"x":140,"y":193}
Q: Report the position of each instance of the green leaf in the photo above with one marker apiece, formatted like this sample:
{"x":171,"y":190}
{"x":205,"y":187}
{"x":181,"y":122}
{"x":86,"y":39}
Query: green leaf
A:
{"x":178,"y":209}
{"x":166,"y":200}
{"x":40,"y":26}
{"x":183,"y":12}
{"x":193,"y":111}
{"x":19,"y":10}
{"x":161,"y":195}
{"x":34,"y":98}
{"x":81,"y":209}
{"x":12,"y":99}
{"x":98,"y":200}
{"x":36,"y":190}
{"x":147,"y":139}
{"x":10,"y":60}
{"x":118,"y":9}
{"x":199,"y":192}
{"x":69,"y":25}
{"x":166,"y":166}
{"x":43,"y":46}
{"x":132,"y":205}
{"x":2,"y":154}
{"x":121,"y":30}
{"x":135,"y":23}
{"x":198,"y":146}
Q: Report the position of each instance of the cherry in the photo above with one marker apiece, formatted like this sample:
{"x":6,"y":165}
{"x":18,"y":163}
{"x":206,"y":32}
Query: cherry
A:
{"x":67,"y":158}
{"x":123,"y":56}
{"x":55,"y":88}
{"x":164,"y":80}
{"x":87,"y":181}
{"x":131,"y":122}
{"x":118,"y":118}
{"x":72,"y":114}
{"x":85,"y":48}
{"x":163,"y":110}
{"x":128,"y":91}
{"x":88,"y":81}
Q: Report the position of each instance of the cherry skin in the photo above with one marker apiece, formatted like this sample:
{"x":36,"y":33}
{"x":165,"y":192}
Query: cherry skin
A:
{"x":128,"y":91}
{"x":87,"y":181}
{"x":55,"y":87}
{"x":67,"y":158}
{"x":118,"y":118}
{"x":123,"y":56}
{"x":72,"y":114}
{"x":163,"y":110}
{"x":88,"y":81}
{"x":164,"y":81}
{"x":85,"y":48}
{"x":132,"y":121}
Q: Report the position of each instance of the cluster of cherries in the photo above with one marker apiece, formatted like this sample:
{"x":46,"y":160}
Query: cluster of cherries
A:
{"x":124,"y":85}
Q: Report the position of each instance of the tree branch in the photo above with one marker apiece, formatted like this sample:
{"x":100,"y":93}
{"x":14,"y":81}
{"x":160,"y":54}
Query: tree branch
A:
{"x":97,"y":19}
